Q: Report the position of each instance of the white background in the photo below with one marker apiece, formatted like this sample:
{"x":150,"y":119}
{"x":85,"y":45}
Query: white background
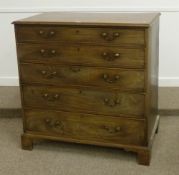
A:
{"x":88,"y":3}
{"x":169,"y":30}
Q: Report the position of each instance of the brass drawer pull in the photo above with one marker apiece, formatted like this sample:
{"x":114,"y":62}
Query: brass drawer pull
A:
{"x":56,"y":96}
{"x":116,"y":34}
{"x":111,"y":102}
{"x":44,"y":72}
{"x":54,"y":124}
{"x":107,"y":78}
{"x":46,"y":35}
{"x":47,"y":53}
{"x":51,"y":97}
{"x":116,"y":55}
{"x":41,"y":32}
{"x":104,"y":34}
{"x":59,"y":124}
{"x":49,"y":122}
{"x":42,"y":51}
{"x":51,"y":33}
{"x":109,"y":56}
{"x":48,"y":74}
{"x":112,"y":129}
{"x":53,"y":52}
{"x":110,"y":37}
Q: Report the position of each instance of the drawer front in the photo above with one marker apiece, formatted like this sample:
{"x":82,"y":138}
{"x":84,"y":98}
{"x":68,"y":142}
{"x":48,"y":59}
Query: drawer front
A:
{"x":25,"y":33}
{"x":98,"y":102}
{"x":81,"y":55}
{"x":85,"y":127}
{"x":78,"y":75}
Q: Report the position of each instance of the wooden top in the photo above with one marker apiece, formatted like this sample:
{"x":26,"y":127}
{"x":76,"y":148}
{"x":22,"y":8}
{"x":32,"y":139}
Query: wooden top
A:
{"x":92,"y":18}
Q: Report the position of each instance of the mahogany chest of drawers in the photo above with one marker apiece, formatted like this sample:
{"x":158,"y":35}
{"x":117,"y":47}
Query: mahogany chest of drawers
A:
{"x":90,"y":78}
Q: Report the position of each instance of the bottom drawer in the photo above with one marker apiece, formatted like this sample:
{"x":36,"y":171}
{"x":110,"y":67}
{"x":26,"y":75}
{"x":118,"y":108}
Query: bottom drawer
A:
{"x":85,"y":126}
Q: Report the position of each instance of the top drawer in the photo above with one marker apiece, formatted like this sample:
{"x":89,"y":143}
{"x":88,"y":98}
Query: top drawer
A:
{"x":116,"y":36}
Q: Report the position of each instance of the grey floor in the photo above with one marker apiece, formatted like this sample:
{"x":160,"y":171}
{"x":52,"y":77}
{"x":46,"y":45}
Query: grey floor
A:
{"x":56,"y":158}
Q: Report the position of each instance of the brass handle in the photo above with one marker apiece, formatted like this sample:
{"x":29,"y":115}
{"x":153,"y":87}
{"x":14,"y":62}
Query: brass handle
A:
{"x":56,"y":96}
{"x":112,"y":129}
{"x":50,"y":97}
{"x":116,"y":55}
{"x":111,"y":102}
{"x":51,"y":33}
{"x":45,"y":95}
{"x":53,"y":52}
{"x":104,"y":54}
{"x":54,"y":124}
{"x":48,"y":74}
{"x":116,"y":34}
{"x":42,"y":51}
{"x":59,"y":124}
{"x":118,"y":128}
{"x":41,"y":32}
{"x":107,"y":78}
{"x":110,"y":56}
{"x":44,"y":72}
{"x":47,"y":53}
{"x":104,"y":34}
{"x":46,"y":35}
{"x":110,"y":37}
{"x":48,"y":122}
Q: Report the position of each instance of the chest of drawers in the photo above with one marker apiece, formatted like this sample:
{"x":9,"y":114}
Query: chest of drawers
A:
{"x":90,"y":78}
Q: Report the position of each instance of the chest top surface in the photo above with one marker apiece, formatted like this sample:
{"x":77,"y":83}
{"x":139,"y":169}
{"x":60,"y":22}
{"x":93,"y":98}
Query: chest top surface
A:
{"x":92,"y":18}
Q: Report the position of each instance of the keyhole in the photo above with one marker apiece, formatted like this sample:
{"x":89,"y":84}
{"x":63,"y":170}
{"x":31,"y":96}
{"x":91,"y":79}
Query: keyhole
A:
{"x":78,"y":49}
{"x":77,"y":31}
{"x":80,"y":91}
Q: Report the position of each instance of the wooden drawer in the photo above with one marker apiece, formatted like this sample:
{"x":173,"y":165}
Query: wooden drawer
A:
{"x":86,"y":76}
{"x":81,"y":55}
{"x":84,"y":99}
{"x":26,"y":33}
{"x":85,"y":127}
